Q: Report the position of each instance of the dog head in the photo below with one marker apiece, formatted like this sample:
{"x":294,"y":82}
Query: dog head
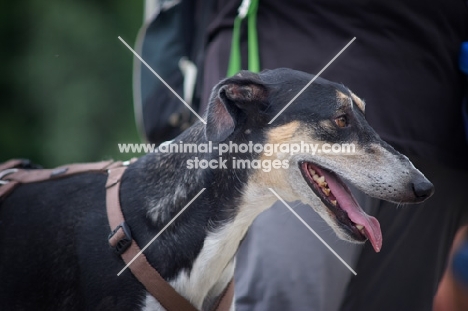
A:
{"x":326,"y":120}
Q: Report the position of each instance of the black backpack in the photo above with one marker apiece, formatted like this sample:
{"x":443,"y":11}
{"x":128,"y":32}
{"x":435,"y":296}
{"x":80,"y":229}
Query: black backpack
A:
{"x":172,"y":43}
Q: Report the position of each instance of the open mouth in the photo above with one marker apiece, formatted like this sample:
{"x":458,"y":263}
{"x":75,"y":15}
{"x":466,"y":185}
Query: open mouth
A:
{"x":342,"y":205}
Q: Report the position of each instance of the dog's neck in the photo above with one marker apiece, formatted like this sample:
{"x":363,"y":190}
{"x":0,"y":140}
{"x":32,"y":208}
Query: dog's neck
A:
{"x":169,"y":170}
{"x":214,"y":266}
{"x":205,"y":238}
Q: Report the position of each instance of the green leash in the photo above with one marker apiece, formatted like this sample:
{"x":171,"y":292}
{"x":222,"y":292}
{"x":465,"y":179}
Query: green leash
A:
{"x":247,"y":9}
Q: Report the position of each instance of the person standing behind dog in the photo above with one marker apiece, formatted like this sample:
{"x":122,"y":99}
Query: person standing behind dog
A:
{"x":404,"y":64}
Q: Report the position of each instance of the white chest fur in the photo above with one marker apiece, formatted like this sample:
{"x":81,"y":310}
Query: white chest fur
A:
{"x":214,"y":266}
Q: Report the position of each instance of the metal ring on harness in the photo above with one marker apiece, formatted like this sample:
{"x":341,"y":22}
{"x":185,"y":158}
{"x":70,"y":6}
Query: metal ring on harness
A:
{"x":5,"y":173}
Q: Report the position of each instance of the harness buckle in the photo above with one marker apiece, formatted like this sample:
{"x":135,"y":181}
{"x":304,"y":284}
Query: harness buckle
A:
{"x":120,"y":238}
{"x":5,"y":173}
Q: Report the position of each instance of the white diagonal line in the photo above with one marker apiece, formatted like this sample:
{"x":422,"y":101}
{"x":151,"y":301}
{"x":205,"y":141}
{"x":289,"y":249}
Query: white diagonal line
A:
{"x":160,"y":232}
{"x":161,"y":79}
{"x":313,"y":79}
{"x":312,"y":230}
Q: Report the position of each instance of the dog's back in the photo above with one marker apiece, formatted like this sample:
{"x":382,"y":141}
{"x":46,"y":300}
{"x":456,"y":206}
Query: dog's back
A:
{"x":54,"y":250}
{"x":53,"y":246}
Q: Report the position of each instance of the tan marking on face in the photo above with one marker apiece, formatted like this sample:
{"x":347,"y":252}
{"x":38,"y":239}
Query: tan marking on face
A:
{"x":341,"y":95}
{"x":276,"y":178}
{"x":282,"y":134}
{"x":343,"y":99}
{"x":359,"y":102}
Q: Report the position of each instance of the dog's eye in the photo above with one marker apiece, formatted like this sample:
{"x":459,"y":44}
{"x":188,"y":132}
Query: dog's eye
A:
{"x":341,"y":121}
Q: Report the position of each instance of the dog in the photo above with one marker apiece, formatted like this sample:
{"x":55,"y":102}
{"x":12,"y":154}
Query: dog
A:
{"x":54,"y":251}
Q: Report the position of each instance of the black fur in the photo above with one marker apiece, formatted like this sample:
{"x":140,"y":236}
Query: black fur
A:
{"x":54,"y":252}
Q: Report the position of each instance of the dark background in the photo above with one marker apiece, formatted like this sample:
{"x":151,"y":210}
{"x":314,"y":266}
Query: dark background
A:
{"x":66,"y":79}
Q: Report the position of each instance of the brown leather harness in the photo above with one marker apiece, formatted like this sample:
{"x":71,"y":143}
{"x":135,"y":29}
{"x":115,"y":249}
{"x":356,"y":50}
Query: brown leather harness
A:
{"x":120,"y":239}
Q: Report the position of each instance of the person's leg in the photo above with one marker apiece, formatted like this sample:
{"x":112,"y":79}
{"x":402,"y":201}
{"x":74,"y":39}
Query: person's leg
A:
{"x":416,"y":241}
{"x":282,"y":266}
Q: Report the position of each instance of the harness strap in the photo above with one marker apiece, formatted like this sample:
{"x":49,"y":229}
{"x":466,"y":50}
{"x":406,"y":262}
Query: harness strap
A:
{"x":10,"y":164}
{"x":141,"y":269}
{"x":226,"y":298}
{"x":120,"y":239}
{"x":10,"y":177}
{"x":29,"y":176}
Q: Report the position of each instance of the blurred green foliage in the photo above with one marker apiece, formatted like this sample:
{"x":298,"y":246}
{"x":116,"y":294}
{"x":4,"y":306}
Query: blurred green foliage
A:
{"x":66,"y":79}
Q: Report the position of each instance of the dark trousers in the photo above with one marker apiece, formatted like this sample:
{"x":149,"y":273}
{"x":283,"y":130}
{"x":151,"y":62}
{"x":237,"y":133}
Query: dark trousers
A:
{"x":417,"y":239}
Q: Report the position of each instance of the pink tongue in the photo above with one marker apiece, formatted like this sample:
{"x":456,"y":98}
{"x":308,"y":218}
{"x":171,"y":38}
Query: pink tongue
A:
{"x":348,"y":203}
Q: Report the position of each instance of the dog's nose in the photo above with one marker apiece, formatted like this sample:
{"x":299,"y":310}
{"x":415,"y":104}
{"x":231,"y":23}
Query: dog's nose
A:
{"x":423,"y":188}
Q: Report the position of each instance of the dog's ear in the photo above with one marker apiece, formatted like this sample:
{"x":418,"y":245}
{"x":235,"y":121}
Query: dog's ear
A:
{"x":242,"y":94}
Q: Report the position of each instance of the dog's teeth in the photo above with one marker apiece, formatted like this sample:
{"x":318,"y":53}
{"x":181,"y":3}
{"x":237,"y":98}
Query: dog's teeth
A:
{"x":333,"y":202}
{"x":359,"y":227}
{"x":321,"y":181}
{"x":326,"y":191}
{"x":312,"y":172}
{"x":315,"y":177}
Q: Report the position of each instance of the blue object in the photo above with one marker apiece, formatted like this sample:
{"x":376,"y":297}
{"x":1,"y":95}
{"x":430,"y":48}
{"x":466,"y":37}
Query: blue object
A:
{"x":460,"y":263}
{"x":463,"y":61}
